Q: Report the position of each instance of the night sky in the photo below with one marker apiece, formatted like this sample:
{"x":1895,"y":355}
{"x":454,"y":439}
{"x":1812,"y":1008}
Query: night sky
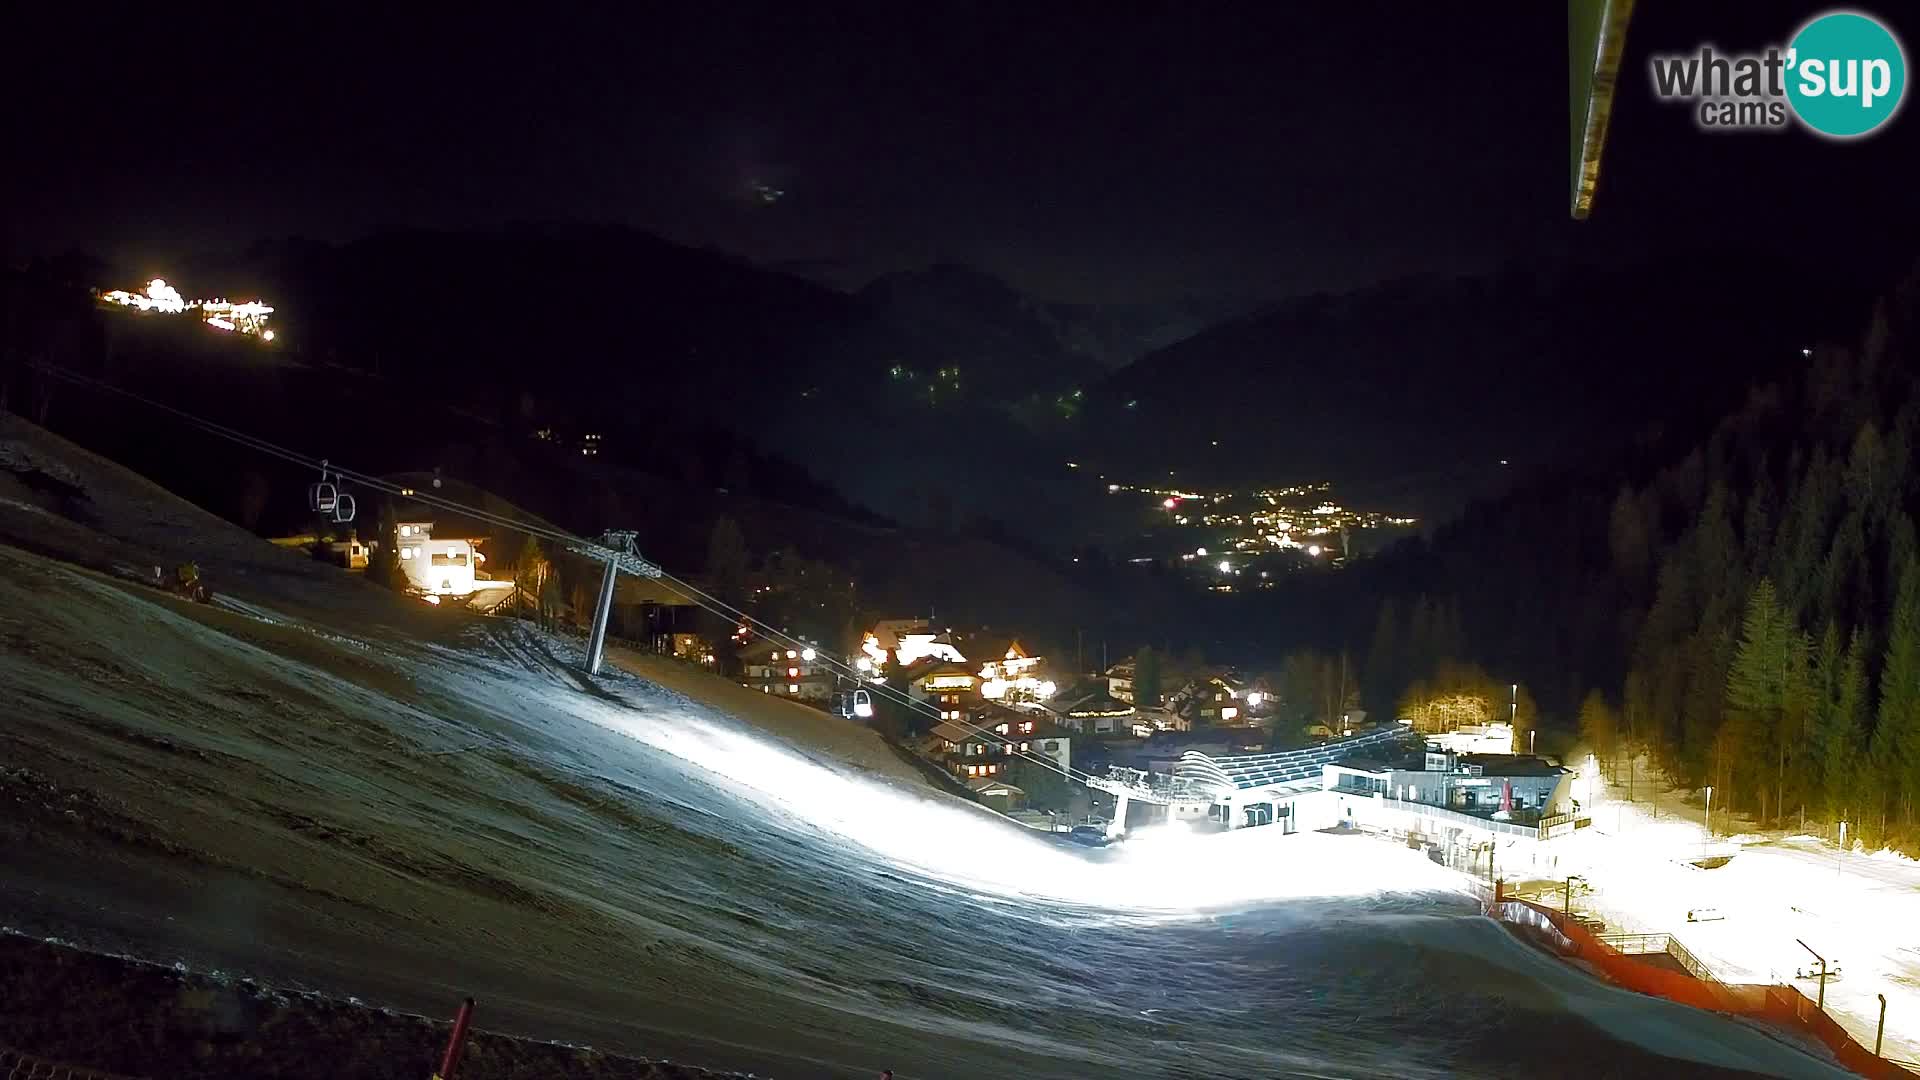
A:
{"x":1253,"y":150}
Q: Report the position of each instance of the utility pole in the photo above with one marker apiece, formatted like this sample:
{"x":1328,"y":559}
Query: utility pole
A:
{"x":1881,"y":1031}
{"x":1567,"y":908}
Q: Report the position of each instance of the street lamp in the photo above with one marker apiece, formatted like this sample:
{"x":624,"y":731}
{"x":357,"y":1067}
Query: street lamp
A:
{"x":1709,"y":811}
{"x":1567,"y":909}
{"x":1822,"y":1005}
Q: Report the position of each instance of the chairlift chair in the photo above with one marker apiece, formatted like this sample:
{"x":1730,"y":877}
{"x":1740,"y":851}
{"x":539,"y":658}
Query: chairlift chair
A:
{"x":326,"y":497}
{"x":323,"y":496}
{"x":862,"y":704}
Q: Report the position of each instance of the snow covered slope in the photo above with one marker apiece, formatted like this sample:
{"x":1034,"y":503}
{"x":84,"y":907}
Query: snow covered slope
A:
{"x":323,"y":786}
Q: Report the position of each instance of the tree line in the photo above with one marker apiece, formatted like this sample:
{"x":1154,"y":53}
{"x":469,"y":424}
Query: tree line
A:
{"x":1745,"y":609}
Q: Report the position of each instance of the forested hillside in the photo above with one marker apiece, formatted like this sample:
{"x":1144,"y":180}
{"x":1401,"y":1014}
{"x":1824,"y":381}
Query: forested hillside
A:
{"x":1747,"y":612}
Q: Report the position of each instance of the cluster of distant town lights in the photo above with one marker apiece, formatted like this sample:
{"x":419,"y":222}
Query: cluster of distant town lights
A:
{"x":1274,"y":529}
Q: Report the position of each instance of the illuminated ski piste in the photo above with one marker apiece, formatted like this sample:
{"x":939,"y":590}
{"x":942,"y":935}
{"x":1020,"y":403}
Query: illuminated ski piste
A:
{"x":325,"y":791}
{"x":1315,"y":892}
{"x":1159,"y":869}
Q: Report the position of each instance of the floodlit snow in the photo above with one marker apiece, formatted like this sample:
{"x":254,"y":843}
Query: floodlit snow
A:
{"x":1335,"y":898}
{"x":977,"y":849}
{"x":1860,"y":911}
{"x":328,"y":796}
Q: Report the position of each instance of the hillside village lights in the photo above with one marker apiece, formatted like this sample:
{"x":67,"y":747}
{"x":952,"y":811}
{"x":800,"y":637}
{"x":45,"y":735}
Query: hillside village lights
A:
{"x":247,"y":317}
{"x":159,"y":296}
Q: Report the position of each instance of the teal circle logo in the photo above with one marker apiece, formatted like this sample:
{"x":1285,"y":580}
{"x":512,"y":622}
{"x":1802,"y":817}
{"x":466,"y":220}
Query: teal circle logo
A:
{"x":1846,"y":74}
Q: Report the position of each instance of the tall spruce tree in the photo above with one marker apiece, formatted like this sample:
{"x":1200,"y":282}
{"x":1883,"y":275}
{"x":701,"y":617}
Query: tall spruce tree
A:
{"x":1897,"y":734}
{"x":1756,"y":681}
{"x":1847,"y":780}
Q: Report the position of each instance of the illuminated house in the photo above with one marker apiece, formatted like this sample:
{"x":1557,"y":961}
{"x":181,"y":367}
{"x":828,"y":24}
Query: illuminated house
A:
{"x":1120,"y":681}
{"x":792,"y":673}
{"x":1215,"y":701}
{"x":910,"y":640}
{"x":1016,"y":678}
{"x":435,"y":568}
{"x":951,"y":687}
{"x":1093,"y":709}
{"x":975,"y":751}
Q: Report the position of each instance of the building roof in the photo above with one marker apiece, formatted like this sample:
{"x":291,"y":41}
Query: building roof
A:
{"x":760,"y":649}
{"x":987,"y":785}
{"x":1246,"y":772}
{"x":927,"y":668}
{"x":888,"y":632}
{"x":1097,"y":703}
{"x":1513,"y":765}
{"x":952,"y":732}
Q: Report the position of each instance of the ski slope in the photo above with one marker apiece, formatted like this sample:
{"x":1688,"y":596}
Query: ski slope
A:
{"x":319,"y":785}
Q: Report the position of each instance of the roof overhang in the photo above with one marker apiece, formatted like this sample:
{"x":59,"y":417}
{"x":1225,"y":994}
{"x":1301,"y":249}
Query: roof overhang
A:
{"x":1596,"y":42}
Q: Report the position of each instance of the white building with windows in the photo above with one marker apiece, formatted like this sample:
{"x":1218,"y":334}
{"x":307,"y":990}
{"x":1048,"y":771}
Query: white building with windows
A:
{"x":435,"y":568}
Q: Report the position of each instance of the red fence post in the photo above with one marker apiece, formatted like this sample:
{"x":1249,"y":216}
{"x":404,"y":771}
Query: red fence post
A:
{"x":456,"y":1041}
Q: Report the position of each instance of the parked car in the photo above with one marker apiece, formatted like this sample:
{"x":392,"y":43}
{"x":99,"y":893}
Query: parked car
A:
{"x":1090,"y":835}
{"x":1705,"y":914}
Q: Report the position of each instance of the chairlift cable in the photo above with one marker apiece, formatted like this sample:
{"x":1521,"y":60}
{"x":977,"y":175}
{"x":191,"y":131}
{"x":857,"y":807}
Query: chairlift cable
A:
{"x":675,"y":584}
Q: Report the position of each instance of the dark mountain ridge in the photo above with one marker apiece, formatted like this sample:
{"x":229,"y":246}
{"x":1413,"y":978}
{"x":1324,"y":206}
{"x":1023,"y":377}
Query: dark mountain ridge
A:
{"x":1413,"y":385}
